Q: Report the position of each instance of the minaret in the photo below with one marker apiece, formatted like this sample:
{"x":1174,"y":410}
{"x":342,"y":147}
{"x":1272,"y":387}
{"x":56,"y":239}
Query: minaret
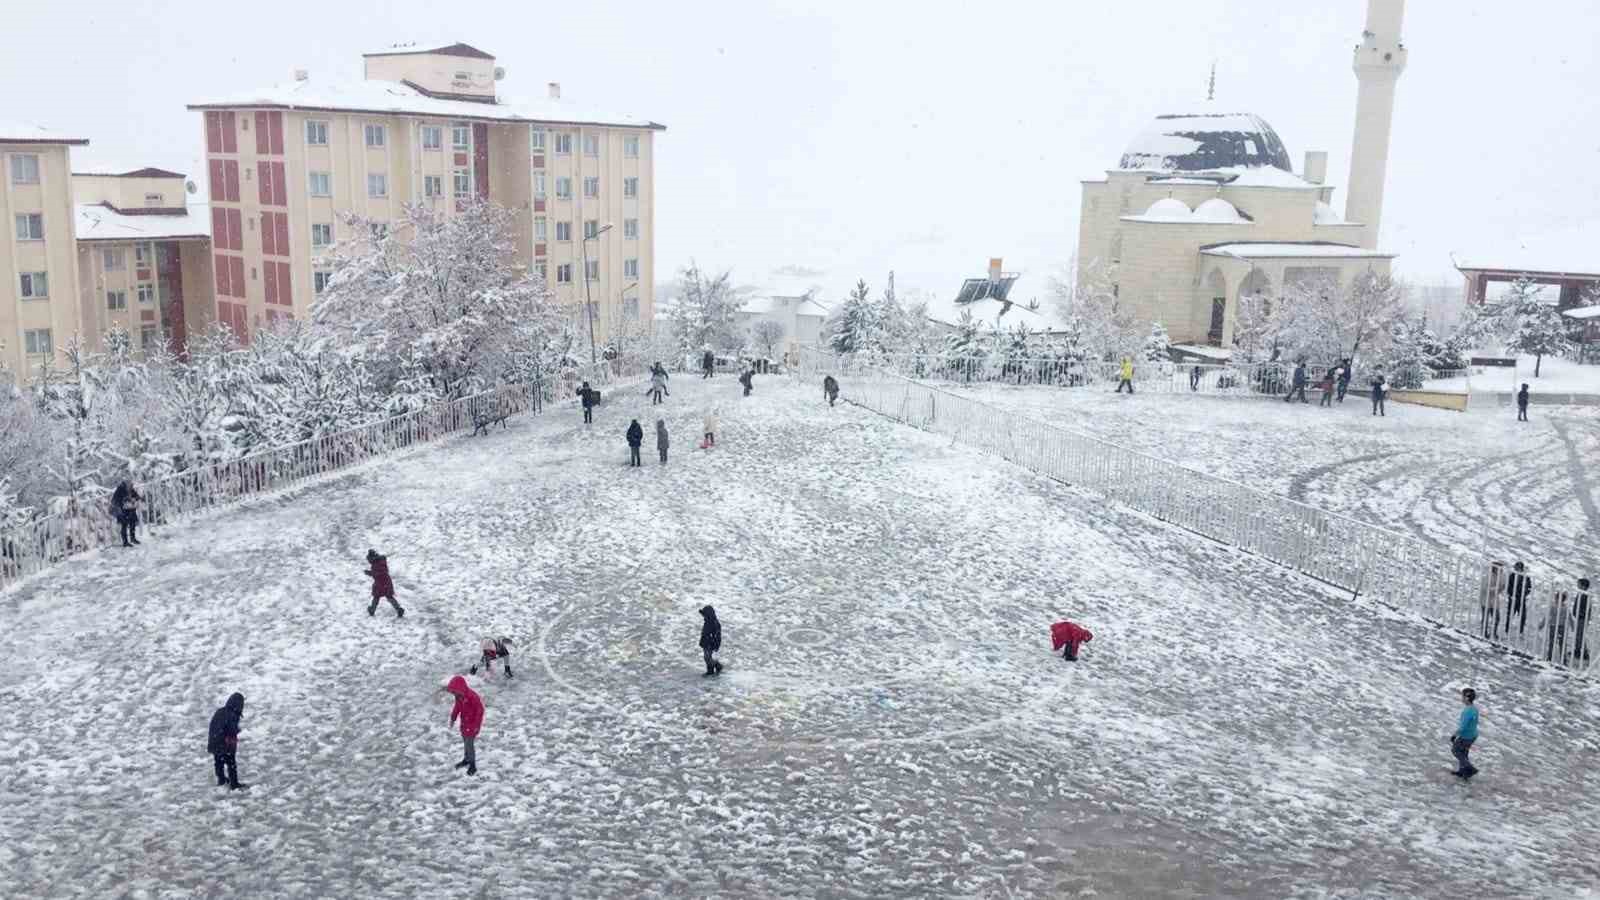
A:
{"x":1380,"y":58}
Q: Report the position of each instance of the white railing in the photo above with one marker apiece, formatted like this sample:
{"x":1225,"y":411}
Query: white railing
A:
{"x":1450,"y":587}
{"x":50,"y":540}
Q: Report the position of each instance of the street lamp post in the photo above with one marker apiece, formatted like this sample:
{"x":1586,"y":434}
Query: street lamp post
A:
{"x":588,"y":304}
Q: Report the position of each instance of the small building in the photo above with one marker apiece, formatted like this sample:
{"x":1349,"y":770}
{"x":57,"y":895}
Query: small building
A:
{"x":1568,"y":259}
{"x":800,"y":315}
{"x":1588,"y":320}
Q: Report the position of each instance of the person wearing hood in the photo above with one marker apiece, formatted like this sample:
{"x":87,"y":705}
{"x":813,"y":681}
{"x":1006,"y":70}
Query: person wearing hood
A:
{"x":710,"y":639}
{"x":830,"y":388}
{"x":1069,"y":635}
{"x":382,"y":584}
{"x":658,"y":387}
{"x":747,"y":378}
{"x":711,"y":430}
{"x":125,"y":509}
{"x":708,"y":364}
{"x":661,"y":439}
{"x":222,"y":742}
{"x":588,"y":396}
{"x":469,"y":709}
{"x":635,"y":438}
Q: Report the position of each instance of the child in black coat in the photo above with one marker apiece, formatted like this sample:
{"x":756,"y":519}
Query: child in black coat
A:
{"x":710,"y":639}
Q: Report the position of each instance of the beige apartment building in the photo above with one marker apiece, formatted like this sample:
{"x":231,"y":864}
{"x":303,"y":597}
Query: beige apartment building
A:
{"x":40,"y":305}
{"x":424,"y":126}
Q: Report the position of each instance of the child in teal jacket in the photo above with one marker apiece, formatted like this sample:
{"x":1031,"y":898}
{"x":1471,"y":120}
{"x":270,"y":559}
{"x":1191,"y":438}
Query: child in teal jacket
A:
{"x":1466,"y":733}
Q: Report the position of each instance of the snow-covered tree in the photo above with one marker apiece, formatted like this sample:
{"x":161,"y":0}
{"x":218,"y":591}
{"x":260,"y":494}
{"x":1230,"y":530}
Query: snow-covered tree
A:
{"x":1535,"y":327}
{"x":1322,"y":320}
{"x":1256,"y":326}
{"x":853,"y":327}
{"x":437,"y":292}
{"x":1158,"y":346}
{"x":767,"y":334}
{"x":1086,"y":298}
{"x":892,"y":327}
{"x":705,"y":312}
{"x":1404,"y":359}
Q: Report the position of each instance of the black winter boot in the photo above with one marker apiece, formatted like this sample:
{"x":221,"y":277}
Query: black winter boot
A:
{"x":373,"y":609}
{"x":462,"y":764}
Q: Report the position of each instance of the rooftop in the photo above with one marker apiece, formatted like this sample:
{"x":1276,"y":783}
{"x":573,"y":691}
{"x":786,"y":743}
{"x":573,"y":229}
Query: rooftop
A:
{"x":146,"y":172}
{"x":1292,"y":250}
{"x":443,"y":48}
{"x":99,"y":222}
{"x":394,"y":98}
{"x":1205,"y":142}
{"x":1584,"y":312}
{"x":24,"y":133}
{"x":1573,"y":251}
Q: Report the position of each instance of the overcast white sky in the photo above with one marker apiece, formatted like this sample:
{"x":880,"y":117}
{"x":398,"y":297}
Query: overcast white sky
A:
{"x":855,"y":137}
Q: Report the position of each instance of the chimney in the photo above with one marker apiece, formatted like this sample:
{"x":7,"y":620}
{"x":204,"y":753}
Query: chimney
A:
{"x":1316,"y":170}
{"x":301,"y":75}
{"x":555,"y":90}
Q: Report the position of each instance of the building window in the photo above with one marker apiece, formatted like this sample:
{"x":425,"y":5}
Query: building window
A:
{"x":321,"y":184}
{"x":461,"y":136}
{"x":591,"y":229}
{"x":35,"y":285}
{"x":153,"y":199}
{"x":563,"y":231}
{"x":380,"y":230}
{"x":377,"y":184}
{"x":541,"y":228}
{"x":591,"y":145}
{"x":147,"y":294}
{"x":432,"y":137}
{"x":141,"y":254}
{"x":563,"y":145}
{"x":30,"y":226}
{"x":630,"y":187}
{"x":114,"y":260}
{"x":463,"y":184}
{"x":316,"y":133}
{"x":321,"y":234}
{"x":630,"y":268}
{"x":319,"y":281}
{"x":630,"y":229}
{"x":36,"y":341}
{"x":116,"y":299}
{"x":630,"y":147}
{"x":536,"y":140}
{"x":24,"y":168}
{"x":149,"y":335}
{"x":564,"y":273}
{"x":591,"y":185}
{"x":563,"y":188}
{"x":543,"y":269}
{"x":591,"y":269}
{"x":375,"y":135}
{"x":432,"y":185}
{"x":538,"y":186}
{"x":630,"y":308}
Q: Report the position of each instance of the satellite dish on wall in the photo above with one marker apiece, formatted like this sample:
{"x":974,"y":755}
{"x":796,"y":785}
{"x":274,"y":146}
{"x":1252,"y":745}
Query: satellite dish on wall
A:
{"x":499,"y":73}
{"x":190,"y":186}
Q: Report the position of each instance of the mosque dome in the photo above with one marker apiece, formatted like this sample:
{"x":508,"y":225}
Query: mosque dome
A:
{"x":1217,"y":211}
{"x":1205,"y":141}
{"x":1170,"y":209}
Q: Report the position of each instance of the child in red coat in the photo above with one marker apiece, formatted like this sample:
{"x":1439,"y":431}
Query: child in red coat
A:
{"x":469,"y":709}
{"x":1069,"y":635}
{"x":382,"y":584}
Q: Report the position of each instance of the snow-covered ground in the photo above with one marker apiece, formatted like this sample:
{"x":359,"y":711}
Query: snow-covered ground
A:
{"x":1478,"y":480}
{"x":891,"y":722}
{"x":1556,"y":376}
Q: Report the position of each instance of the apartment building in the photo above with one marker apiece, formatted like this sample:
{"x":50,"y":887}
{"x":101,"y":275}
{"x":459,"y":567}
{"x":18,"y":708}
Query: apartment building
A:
{"x":424,"y":125}
{"x":40,"y":305}
{"x":144,"y":257}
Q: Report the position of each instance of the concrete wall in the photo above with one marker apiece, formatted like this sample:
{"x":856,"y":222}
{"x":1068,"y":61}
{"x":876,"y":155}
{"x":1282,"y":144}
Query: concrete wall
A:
{"x":129,"y":193}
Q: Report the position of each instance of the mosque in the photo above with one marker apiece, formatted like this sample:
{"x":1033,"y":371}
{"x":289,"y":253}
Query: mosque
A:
{"x":1205,"y":208}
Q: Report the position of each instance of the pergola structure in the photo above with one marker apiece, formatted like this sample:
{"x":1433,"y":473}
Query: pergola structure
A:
{"x":1573,"y":284}
{"x":1570,"y":260}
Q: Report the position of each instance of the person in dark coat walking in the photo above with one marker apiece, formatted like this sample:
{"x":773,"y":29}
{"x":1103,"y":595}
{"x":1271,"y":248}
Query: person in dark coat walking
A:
{"x":661,"y":439}
{"x":635,"y":438}
{"x":708,"y":364}
{"x":1380,"y":393}
{"x":1522,"y":403}
{"x":746,"y":378}
{"x":1194,"y":378}
{"x":1298,"y":385}
{"x":125,"y":509}
{"x":1518,"y":587}
{"x":1327,"y":389}
{"x":1344,"y":378}
{"x":469,"y":709}
{"x":710,"y":639}
{"x":1580,"y":622}
{"x":222,"y":742}
{"x":382,"y":584}
{"x":830,"y":388}
{"x":589,"y":397}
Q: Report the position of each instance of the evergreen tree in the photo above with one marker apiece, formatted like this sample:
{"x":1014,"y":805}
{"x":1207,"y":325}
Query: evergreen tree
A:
{"x":705,"y":314}
{"x":1537,"y":328}
{"x":1158,"y":346}
{"x":1404,"y":361}
{"x":853,"y":326}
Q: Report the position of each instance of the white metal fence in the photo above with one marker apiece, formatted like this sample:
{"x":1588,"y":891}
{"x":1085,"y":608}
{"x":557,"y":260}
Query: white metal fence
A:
{"x":1458,"y":589}
{"x":53,"y":539}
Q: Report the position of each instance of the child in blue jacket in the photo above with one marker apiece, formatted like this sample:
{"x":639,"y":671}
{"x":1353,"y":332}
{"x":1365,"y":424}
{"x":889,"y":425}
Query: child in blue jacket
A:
{"x":1466,"y":733}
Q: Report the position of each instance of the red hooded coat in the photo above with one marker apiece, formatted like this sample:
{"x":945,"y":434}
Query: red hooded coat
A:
{"x":1063,"y":632}
{"x":468,"y":706}
{"x":382,"y":586}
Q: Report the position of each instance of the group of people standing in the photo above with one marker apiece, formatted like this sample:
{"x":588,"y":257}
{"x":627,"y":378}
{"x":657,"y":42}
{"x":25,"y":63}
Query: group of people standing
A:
{"x":1507,"y":598}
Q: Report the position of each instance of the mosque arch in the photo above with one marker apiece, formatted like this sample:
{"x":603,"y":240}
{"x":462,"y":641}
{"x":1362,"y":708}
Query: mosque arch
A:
{"x":1214,"y":290}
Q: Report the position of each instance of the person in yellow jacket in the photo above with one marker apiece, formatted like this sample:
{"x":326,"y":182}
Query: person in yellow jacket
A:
{"x":1126,"y":375}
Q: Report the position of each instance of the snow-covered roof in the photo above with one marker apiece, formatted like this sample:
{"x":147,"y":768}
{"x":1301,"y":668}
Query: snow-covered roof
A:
{"x":394,"y":98}
{"x":1205,"y":141}
{"x":1217,"y":211}
{"x":1584,"y":312}
{"x":761,"y":306}
{"x":98,"y":222}
{"x":1572,"y":251}
{"x":1324,"y":214}
{"x":1205,"y":352}
{"x":445,"y":48}
{"x":12,"y":132}
{"x":1292,"y":250}
{"x":122,"y":172}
